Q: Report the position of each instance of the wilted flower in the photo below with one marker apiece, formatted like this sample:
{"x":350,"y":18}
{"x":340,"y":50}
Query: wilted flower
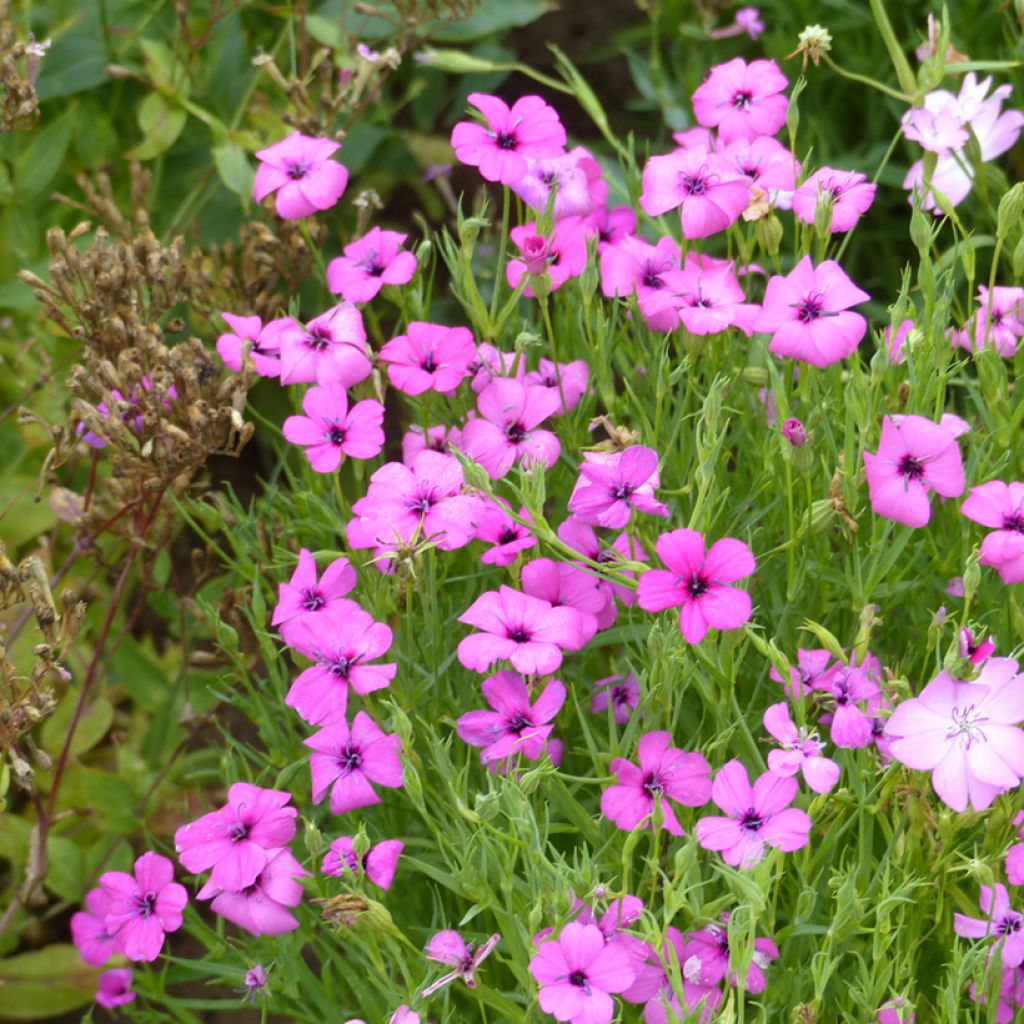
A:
{"x":449,"y":948}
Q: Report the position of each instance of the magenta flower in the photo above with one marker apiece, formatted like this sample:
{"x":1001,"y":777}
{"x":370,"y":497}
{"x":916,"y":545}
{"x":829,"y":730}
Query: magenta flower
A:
{"x":631,"y":266}
{"x":609,"y":489}
{"x":621,"y":692}
{"x":1014,"y":857}
{"x":450,"y":949}
{"x":705,"y":959}
{"x":403,"y":1015}
{"x":742,"y":100}
{"x":350,"y":761}
{"x":378,"y":864}
{"x":237,"y":840}
{"x":809,"y":666}
{"x":304,"y":598}
{"x":610,"y":226}
{"x":429,"y":357}
{"x":515,"y":726}
{"x":330,"y":430}
{"x":263,"y":346}
{"x":530,"y":129}
{"x":342,"y":644}
{"x":766,"y":163}
{"x":808,"y":314}
{"x":578,"y":971}
{"x":665,"y":772}
{"x":845,"y":687}
{"x":491,"y":363}
{"x":264,"y":907}
{"x":254,"y":984}
{"x":561,"y":254}
{"x":663,"y":1006}
{"x":300,"y":171}
{"x":964,"y":734}
{"x":564,"y":585}
{"x":568,"y":380}
{"x":800,"y":751}
{"x":975,"y":653}
{"x":115,"y":988}
{"x":914,"y":458}
{"x":508,"y":539}
{"x":143,"y":906}
{"x":525,"y":630}
{"x":895,"y":340}
{"x":1001,"y":921}
{"x":895,"y":1011}
{"x":568,"y":176}
{"x":998,"y":322}
{"x":437,"y":439}
{"x":330,"y":349}
{"x":505,"y":432}
{"x":758,"y":816}
{"x":369,"y":263}
{"x":697,"y":583}
{"x":794,"y":432}
{"x":849,"y":194}
{"x":89,"y":930}
{"x":581,"y":537}
{"x":707,"y":188}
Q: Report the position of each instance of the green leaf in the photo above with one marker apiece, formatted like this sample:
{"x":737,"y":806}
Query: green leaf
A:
{"x":46,"y":983}
{"x":64,"y":876}
{"x":494,"y":16}
{"x":6,"y":185}
{"x":234,"y":169}
{"x":161,"y":122}
{"x":165,"y":71}
{"x":92,"y":727}
{"x":324,"y":31}
{"x":37,"y":165}
{"x":145,"y":682}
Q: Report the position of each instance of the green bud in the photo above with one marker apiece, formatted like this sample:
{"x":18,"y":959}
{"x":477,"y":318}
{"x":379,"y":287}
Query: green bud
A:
{"x":967,"y":259}
{"x":825,"y":638}
{"x":920,"y":230}
{"x":540,"y":285}
{"x":401,"y":725}
{"x":312,"y":837}
{"x":588,"y":280}
{"x":487,"y":805}
{"x":473,"y":473}
{"x":361,"y":843}
{"x":535,"y":918}
{"x":1011,"y":209}
{"x":972,"y":577}
{"x":423,"y":251}
{"x":411,"y":781}
{"x":823,"y":216}
{"x":1017,"y":259}
{"x":755,"y":375}
{"x":456,"y":62}
{"x":768,"y":232}
{"x":526,"y":340}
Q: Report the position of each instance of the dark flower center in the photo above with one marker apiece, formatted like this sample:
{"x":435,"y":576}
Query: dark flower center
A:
{"x":341,"y":666}
{"x":146,"y":904}
{"x":742,"y":100}
{"x":428,"y":364}
{"x":349,"y":760}
{"x":620,"y":695}
{"x":506,"y":140}
{"x":336,"y":434}
{"x":579,"y":979}
{"x":697,"y":587}
{"x":1010,"y":924}
{"x":549,"y":178}
{"x":752,"y":821}
{"x":653,"y":784}
{"x":374,"y":269}
{"x":312,"y":599}
{"x":515,"y":432}
{"x":1014,"y":522}
{"x":509,"y":535}
{"x":623,"y":492}
{"x":606,"y":556}
{"x":810,"y":309}
{"x":650,"y":276}
{"x":518,"y":723}
{"x":298,"y":171}
{"x":519,"y":635}
{"x":911,"y":467}
{"x":319,"y":339}
{"x":695,"y":184}
{"x":238,"y":831}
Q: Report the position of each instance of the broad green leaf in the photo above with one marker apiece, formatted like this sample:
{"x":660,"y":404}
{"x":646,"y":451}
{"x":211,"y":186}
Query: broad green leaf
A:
{"x":64,"y":875}
{"x":234,"y":169}
{"x":46,"y":983}
{"x":92,"y":727}
{"x":165,"y":70}
{"x":38,"y":164}
{"x":161,"y":122}
{"x":494,"y":16}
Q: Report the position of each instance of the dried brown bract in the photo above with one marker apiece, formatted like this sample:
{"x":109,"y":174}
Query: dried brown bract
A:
{"x":19,"y":61}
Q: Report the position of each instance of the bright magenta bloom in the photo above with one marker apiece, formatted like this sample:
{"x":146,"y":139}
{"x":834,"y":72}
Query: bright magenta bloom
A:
{"x":895,"y":340}
{"x":1001,"y":922}
{"x":438,"y":439}
{"x":561,"y":584}
{"x":849,"y":193}
{"x":530,"y":129}
{"x":508,"y":539}
{"x":610,"y":226}
{"x":369,"y":263}
{"x":742,"y":100}
{"x":809,"y":666}
{"x":766,"y":163}
{"x":349,"y":762}
{"x":262,"y":908}
{"x":378,"y":864}
{"x":560,"y":255}
{"x":264,"y":345}
{"x":449,"y":948}
{"x":894,"y":1011}
{"x":1000,"y":507}
{"x":758,"y":816}
{"x":914,"y":458}
{"x":568,"y":380}
{"x":304,"y":598}
{"x":582,"y":538}
{"x":330,"y":349}
{"x":143,"y":906}
{"x":525,"y":630}
{"x":330,"y":430}
{"x":1000,"y":326}
{"x":965,"y":734}
{"x":846,"y":687}
{"x":632,"y":265}
{"x":300,"y":171}
{"x":622,"y":692}
{"x":799,"y":751}
{"x":973,"y":652}
{"x":115,"y":988}
{"x":89,"y":930}
{"x":610,"y":488}
{"x":697,"y":583}
{"x":429,"y":357}
{"x":578,"y":971}
{"x":705,"y":959}
{"x":665,"y":772}
{"x":808,"y":314}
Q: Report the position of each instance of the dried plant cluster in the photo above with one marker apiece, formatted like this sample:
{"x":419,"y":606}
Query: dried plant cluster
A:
{"x":20,"y":108}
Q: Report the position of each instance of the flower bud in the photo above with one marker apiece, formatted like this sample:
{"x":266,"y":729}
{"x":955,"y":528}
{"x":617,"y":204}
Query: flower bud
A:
{"x":793,"y":431}
{"x":361,"y":843}
{"x":1011,"y":209}
{"x":768,"y":232}
{"x":312,"y":837}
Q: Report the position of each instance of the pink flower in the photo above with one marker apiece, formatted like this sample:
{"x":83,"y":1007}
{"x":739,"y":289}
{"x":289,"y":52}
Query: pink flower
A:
{"x":758,"y":816}
{"x":530,"y":129}
{"x":262,"y":908}
{"x":807,"y":313}
{"x":975,"y":653}
{"x":609,"y":489}
{"x":378,"y":864}
{"x":507,"y":537}
{"x":304,"y":598}
{"x":330,"y":430}
{"x":697,"y":583}
{"x":610,"y":226}
{"x":581,"y":537}
{"x":766,"y":163}
{"x":894,"y":1011}
{"x":621,"y":692}
{"x":964,"y":734}
{"x":1014,"y":856}
{"x":849,"y":194}
{"x":237,"y":840}
{"x":749,"y":19}
{"x":560,"y":255}
{"x":491,"y":363}
{"x":89,"y":930}
{"x":449,"y":948}
{"x":438,"y":439}
{"x":998,"y":322}
{"x":342,"y":643}
{"x":1000,"y":921}
{"x":937,"y":130}
{"x":525,"y":630}
{"x":800,"y":751}
{"x":810,"y":665}
{"x":665,"y":772}
{"x":300,"y":171}
{"x":570,"y":176}
{"x":632,"y":266}
{"x":403,"y":1015}
{"x":568,"y":380}
{"x":705,"y":959}
{"x":564,"y":585}
{"x":663,"y":1007}
{"x":707,"y":188}
{"x":429,"y":357}
{"x":578,"y":971}
{"x":742,"y":100}
{"x":263,"y":345}
{"x":914,"y":458}
{"x":143,"y":906}
{"x":845,"y":687}
{"x":115,"y":988}
{"x":505,"y":432}
{"x":349,"y":761}
{"x":895,"y":340}
{"x":369,"y":263}
{"x":330,"y":349}
{"x":793,"y":431}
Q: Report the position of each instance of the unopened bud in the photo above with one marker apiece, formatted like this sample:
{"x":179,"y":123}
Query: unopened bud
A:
{"x":793,"y":431}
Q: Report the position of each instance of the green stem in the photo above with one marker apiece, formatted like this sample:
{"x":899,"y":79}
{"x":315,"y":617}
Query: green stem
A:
{"x":904,"y":73}
{"x":506,"y":206}
{"x":864,"y":80}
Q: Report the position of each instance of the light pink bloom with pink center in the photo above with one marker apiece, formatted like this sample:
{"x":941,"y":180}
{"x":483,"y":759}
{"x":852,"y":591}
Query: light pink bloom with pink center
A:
{"x":304,"y":597}
{"x":89,"y":930}
{"x":665,"y":772}
{"x":766,"y":163}
{"x":349,"y":762}
{"x":895,"y":340}
{"x":709,"y":191}
{"x":300,"y":170}
{"x":810,"y":665}
{"x":115,"y":988}
{"x":1014,"y":856}
{"x":561,"y":254}
{"x":610,"y":226}
{"x":846,"y":687}
{"x":438,"y":439}
{"x":609,"y":490}
{"x":263,"y":345}
{"x":429,"y":357}
{"x":525,"y":630}
{"x":515,"y":726}
{"x":506,"y":537}
{"x":706,"y":956}
{"x":578,"y":972}
{"x":330,"y":430}
{"x":965,"y":734}
{"x":914,"y":458}
{"x":378,"y":864}
{"x":698,"y":583}
{"x":622,"y":693}
{"x":143,"y":906}
{"x":742,"y":100}
{"x":632,"y":266}
{"x":998,"y":321}
{"x":403,"y":1015}
{"x":237,"y":839}
{"x":758,"y":816}
{"x":568,"y":380}
{"x":808,"y":314}
{"x":530,"y":129}
{"x":505,"y":431}
{"x":563,"y":585}
{"x":974,"y":652}
{"x":342,"y":643}
{"x":330,"y":349}
{"x":850,"y":195}
{"x":449,"y":948}
{"x":800,"y":751}
{"x":369,"y":263}
{"x":1000,"y":922}
{"x":263,"y":908}
{"x":569,"y":176}
{"x":938,"y":131}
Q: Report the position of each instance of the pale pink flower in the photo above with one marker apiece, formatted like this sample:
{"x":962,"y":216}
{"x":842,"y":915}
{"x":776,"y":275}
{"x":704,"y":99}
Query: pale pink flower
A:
{"x":330,"y":430}
{"x":742,"y":100}
{"x":849,"y":194}
{"x":369,"y":263}
{"x":264,"y":907}
{"x":1014,"y":856}
{"x":561,"y":254}
{"x":1001,"y":922}
{"x":330,"y":349}
{"x":621,"y":692}
{"x":450,"y":949}
{"x":261,"y":344}
{"x":378,"y":864}
{"x":1000,"y":507}
{"x":115,"y":988}
{"x":300,"y":171}
{"x":799,"y":751}
{"x":937,"y":130}
{"x":508,"y":538}
{"x":429,"y":357}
